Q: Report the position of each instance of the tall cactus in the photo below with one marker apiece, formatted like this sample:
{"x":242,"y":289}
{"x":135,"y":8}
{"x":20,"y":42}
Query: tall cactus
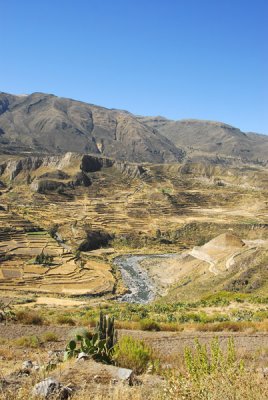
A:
{"x":106,"y":331}
{"x":101,"y":327}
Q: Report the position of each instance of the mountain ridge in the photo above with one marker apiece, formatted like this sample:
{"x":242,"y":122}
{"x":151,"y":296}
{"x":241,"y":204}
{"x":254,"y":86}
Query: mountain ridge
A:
{"x":45,"y":123}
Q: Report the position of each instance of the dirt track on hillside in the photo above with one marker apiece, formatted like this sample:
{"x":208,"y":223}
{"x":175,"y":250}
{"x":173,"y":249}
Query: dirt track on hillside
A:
{"x":165,"y":343}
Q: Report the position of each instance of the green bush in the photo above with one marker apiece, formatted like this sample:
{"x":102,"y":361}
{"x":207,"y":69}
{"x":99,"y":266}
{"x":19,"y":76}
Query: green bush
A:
{"x":202,"y":362}
{"x":44,"y":259}
{"x":149,"y":325}
{"x":132,"y":353}
{"x":260,"y":315}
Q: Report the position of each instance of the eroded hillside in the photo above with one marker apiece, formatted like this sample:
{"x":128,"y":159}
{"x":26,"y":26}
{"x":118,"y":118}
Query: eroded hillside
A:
{"x":73,"y":205}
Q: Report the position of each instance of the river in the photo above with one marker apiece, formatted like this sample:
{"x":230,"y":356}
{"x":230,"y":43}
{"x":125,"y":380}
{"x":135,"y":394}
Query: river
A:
{"x":141,"y":288}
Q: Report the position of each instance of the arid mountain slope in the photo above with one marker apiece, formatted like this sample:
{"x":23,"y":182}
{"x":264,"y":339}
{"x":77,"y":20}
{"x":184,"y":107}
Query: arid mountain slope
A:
{"x":201,"y":139}
{"x":43,"y":123}
{"x":224,"y":263}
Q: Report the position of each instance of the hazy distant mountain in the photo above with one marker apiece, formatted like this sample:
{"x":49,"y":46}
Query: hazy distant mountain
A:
{"x":199,"y":137}
{"x":48,"y":124}
{"x":44,"y":123}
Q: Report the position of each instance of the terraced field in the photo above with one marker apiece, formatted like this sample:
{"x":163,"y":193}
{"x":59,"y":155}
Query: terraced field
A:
{"x":173,"y":206}
{"x":19,"y":246}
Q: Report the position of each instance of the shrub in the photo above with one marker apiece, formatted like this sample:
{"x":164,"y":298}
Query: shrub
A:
{"x":132,"y":353}
{"x":50,"y":337}
{"x":29,"y":317}
{"x":190,"y":317}
{"x":171,"y":327}
{"x":261,"y":315}
{"x":202,"y":362}
{"x":149,"y":325}
{"x":6,"y":312}
{"x":230,"y":384}
{"x":28,"y":341}
{"x":65,"y":320}
{"x":223,"y":326}
{"x":44,"y":259}
{"x":129,"y":325}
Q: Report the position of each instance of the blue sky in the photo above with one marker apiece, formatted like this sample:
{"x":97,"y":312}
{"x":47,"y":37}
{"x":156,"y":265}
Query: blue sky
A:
{"x":204,"y":59}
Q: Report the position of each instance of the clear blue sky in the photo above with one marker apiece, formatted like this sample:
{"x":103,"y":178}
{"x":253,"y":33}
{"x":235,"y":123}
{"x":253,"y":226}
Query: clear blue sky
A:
{"x":204,"y":59}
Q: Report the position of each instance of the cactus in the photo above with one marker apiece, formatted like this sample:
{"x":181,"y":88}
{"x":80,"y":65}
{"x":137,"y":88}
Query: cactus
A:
{"x":101,"y":345}
{"x":110,"y":334}
{"x":105,"y":330}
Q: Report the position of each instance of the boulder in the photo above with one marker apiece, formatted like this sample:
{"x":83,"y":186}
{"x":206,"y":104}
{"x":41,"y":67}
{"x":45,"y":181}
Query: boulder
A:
{"x":44,"y":186}
{"x":82,"y":356}
{"x":125,"y":375}
{"x":51,"y":388}
{"x":27,"y":364}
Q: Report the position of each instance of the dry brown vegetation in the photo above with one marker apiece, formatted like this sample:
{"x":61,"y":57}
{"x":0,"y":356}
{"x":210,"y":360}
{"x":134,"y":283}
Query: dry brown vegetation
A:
{"x":170,"y":378}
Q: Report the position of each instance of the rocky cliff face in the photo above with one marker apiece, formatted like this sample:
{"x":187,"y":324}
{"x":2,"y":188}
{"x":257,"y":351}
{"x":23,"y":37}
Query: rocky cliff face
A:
{"x":27,"y":169}
{"x":42,"y":123}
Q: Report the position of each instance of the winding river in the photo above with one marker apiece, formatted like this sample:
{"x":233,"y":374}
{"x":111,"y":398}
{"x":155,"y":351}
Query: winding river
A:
{"x":140,"y":286}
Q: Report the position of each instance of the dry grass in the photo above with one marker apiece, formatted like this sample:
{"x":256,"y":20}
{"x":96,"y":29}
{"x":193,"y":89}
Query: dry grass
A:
{"x":50,"y":337}
{"x":102,"y":393}
{"x":245,"y":386}
{"x":29,"y":317}
{"x":129,"y":325}
{"x":65,"y":320}
{"x":228,"y":326}
{"x":32,"y":341}
{"x":226,"y":386}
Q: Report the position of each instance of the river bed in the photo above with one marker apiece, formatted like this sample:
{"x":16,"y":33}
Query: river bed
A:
{"x":141,"y":288}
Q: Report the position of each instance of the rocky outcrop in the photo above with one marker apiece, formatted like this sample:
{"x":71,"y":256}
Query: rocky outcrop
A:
{"x":93,"y":164}
{"x":94,"y":240}
{"x":43,"y":186}
{"x":13,"y":167}
{"x":80,"y":179}
{"x":85,"y":165}
{"x":51,"y":388}
{"x":48,"y":185}
{"x":131,"y":170}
